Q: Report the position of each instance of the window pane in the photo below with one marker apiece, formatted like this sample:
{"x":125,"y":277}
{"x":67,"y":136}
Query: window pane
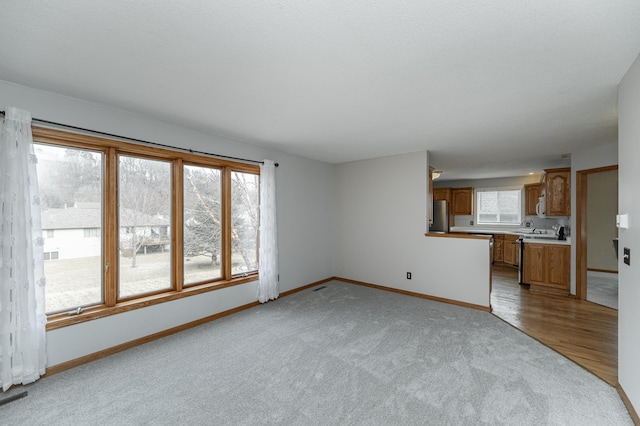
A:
{"x":202,"y":219}
{"x":244,"y":222}
{"x":498,"y":207}
{"x":71,"y":185}
{"x":144,"y":217}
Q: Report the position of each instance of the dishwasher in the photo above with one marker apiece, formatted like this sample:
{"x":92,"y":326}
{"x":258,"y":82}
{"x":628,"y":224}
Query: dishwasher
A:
{"x":520,"y":243}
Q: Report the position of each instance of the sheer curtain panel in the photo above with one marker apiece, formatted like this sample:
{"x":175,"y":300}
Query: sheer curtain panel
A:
{"x":22,"y":311}
{"x":268,"y":269}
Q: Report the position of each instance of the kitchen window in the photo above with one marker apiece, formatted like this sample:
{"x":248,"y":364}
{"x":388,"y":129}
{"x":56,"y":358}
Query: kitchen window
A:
{"x":137,"y":225}
{"x":498,"y":206}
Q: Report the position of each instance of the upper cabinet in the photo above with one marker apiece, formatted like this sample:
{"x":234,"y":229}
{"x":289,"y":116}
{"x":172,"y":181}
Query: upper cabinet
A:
{"x":557,"y":186}
{"x":442,"y":194}
{"x":462,"y":201}
{"x":532,"y":193}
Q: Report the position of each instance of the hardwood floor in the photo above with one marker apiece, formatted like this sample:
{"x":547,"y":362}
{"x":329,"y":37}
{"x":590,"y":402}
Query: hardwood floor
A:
{"x":582,"y":331}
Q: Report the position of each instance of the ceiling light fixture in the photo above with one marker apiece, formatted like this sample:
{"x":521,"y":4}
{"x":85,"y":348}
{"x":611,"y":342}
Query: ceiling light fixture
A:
{"x":436,"y":174}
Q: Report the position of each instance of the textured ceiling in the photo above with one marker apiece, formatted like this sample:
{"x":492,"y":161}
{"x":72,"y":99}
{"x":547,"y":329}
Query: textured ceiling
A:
{"x":491,"y":88}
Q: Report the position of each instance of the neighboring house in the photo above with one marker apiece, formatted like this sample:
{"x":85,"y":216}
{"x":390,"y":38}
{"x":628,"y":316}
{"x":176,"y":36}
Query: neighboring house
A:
{"x":73,"y":232}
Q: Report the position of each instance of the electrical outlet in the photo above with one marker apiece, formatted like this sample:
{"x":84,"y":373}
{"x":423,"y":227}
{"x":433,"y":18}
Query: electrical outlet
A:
{"x":471,"y":222}
{"x":408,"y":275}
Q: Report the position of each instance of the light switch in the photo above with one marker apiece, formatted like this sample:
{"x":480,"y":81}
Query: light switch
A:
{"x":626,"y":257}
{"x":622,"y":221}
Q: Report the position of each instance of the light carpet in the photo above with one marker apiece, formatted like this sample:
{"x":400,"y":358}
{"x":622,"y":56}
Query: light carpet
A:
{"x":344,"y":355}
{"x":602,"y":288}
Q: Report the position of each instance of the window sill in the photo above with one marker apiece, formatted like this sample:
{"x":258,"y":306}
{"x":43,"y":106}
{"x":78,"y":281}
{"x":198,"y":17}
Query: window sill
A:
{"x":61,"y":320}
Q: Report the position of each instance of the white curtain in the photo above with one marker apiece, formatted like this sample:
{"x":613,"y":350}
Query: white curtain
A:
{"x":268,"y":270}
{"x":22,"y":312}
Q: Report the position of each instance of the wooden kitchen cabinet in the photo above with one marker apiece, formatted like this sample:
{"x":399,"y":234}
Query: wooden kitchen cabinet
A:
{"x":532,"y":193}
{"x":511,"y":249}
{"x":462,"y":201}
{"x":546,"y":267}
{"x":442,"y":194}
{"x":558,"y":192}
{"x":498,"y":248}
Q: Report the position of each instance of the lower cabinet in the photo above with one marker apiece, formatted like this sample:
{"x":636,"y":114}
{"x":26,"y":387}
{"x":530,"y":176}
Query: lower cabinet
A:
{"x":511,"y":250}
{"x":498,"y":248}
{"x":546,"y":267}
{"x":506,"y":249}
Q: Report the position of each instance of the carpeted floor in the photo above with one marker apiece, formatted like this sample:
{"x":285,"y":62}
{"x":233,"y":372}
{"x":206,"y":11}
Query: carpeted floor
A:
{"x":344,"y":354}
{"x":602,"y":288}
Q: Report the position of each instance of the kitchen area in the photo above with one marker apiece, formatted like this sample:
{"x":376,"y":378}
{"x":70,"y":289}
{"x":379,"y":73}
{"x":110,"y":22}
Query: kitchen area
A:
{"x":530,"y":255}
{"x":526,"y":218}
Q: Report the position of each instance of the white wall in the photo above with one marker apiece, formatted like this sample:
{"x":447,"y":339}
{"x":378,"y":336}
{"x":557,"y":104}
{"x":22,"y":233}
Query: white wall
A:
{"x":599,"y":156}
{"x":381,"y":219}
{"x":305,"y":218}
{"x":629,"y":202}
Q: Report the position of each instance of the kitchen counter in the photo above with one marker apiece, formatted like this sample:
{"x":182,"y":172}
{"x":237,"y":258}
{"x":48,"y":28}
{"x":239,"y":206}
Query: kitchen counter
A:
{"x":546,"y":236}
{"x":566,"y":242}
{"x":455,"y":235}
{"x":473,"y":229}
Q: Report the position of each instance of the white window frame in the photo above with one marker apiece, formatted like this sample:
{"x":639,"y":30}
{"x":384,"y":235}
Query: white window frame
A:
{"x":497,"y":189}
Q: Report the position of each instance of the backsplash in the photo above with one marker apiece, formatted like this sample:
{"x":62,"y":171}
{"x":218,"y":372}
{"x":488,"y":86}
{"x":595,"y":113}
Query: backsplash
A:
{"x":538,"y":223}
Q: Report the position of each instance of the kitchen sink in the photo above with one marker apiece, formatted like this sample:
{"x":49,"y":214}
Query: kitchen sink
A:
{"x":532,"y":231}
{"x":540,"y":236}
{"x":537,"y":233}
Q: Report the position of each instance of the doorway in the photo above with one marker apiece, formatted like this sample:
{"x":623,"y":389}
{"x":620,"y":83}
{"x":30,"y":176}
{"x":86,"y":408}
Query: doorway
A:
{"x":596,"y":236}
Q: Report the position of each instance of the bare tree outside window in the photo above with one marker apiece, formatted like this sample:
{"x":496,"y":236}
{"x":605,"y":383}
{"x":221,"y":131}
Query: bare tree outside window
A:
{"x":144,"y":189}
{"x":245,"y":222}
{"x":202,"y":224}
{"x":85,"y":181}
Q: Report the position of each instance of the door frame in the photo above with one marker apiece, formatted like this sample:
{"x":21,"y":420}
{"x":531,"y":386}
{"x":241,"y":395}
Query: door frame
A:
{"x":581,"y":228}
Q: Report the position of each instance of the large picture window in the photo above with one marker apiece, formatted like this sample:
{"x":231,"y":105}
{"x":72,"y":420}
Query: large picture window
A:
{"x":245,"y":220}
{"x":202,"y":224}
{"x":71,"y":192}
{"x":132,"y":225}
{"x":144,"y":221}
{"x":500,"y":206}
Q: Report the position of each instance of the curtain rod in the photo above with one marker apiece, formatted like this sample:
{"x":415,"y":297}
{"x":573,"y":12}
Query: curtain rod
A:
{"x":192,"y":151}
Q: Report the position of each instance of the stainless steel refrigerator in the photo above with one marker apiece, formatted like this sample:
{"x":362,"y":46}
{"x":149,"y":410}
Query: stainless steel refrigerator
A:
{"x":440,"y":217}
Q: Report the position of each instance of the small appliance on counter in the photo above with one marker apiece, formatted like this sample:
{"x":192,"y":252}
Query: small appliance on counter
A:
{"x":559,"y":230}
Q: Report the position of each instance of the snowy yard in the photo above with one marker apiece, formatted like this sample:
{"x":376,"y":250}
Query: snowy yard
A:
{"x":77,"y":282}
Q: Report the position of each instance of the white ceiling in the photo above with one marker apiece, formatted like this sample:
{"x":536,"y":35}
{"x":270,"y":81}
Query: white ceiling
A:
{"x":490,"y":88}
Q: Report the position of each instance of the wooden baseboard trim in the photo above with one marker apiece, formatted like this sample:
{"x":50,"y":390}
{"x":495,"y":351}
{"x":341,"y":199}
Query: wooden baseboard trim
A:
{"x":142,"y":340}
{"x":414,"y":294}
{"x":304,"y":287}
{"x":629,"y":405}
{"x":51,"y":370}
{"x":608,"y":271}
